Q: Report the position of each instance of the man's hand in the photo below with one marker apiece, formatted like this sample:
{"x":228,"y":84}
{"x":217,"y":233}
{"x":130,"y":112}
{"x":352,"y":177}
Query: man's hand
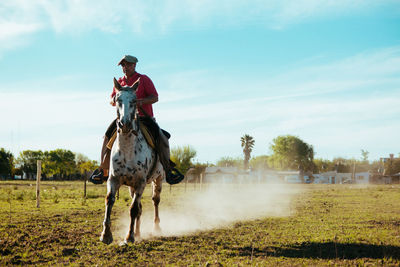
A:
{"x":112,"y":102}
{"x":147,"y":100}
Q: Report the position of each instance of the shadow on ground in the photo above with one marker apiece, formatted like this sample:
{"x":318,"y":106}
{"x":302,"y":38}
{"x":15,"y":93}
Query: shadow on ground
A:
{"x":329,"y":250}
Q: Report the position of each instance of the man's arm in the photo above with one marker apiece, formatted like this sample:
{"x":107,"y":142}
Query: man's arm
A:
{"x":147,"y":100}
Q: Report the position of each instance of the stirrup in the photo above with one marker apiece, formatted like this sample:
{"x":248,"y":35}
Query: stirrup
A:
{"x":98,"y":177}
{"x":173,"y":176}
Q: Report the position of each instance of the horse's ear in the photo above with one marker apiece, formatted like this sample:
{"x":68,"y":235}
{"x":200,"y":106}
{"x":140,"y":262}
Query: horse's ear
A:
{"x":135,"y":85}
{"x":117,"y":86}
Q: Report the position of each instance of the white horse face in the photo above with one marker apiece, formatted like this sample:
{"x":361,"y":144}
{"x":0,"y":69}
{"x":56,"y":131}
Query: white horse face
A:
{"x":125,"y":99}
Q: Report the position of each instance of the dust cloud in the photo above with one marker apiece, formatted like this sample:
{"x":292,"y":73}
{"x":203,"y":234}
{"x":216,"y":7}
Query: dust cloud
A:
{"x":214,"y":206}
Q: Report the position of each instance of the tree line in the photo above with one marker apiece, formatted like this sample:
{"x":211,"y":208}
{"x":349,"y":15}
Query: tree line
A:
{"x":291,"y":153}
{"x":288,"y":152}
{"x":58,"y":164}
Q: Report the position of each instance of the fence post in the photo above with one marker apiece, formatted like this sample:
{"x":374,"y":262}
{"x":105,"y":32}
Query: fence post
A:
{"x":84,"y":184}
{"x":38,"y":175}
{"x":201,"y":181}
{"x":186,"y":181}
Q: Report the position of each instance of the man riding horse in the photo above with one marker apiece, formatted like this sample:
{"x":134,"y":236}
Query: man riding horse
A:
{"x":146,"y":96}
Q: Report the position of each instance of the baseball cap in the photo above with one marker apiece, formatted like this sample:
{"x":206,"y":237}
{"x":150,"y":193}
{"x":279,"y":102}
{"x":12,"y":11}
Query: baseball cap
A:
{"x":128,"y":58}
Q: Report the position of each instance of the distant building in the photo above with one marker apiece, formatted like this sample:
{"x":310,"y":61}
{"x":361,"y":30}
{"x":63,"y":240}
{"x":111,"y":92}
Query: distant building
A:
{"x":220,"y":175}
{"x":191,"y":175}
{"x":387,"y":167}
{"x":325,"y":178}
{"x":391,"y":157}
{"x":396,"y":178}
{"x":235,"y":175}
{"x":334,"y":177}
{"x":291,"y":177}
{"x":362,"y":178}
{"x":343,"y":178}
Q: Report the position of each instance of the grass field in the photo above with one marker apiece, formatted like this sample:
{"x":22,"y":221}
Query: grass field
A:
{"x":322,"y":225}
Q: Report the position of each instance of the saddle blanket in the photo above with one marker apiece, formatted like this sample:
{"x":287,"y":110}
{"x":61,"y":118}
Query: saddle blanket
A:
{"x":146,"y":133}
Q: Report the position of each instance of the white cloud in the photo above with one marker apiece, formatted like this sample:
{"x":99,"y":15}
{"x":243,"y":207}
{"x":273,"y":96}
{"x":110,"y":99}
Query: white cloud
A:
{"x":21,"y":19}
{"x":13,"y":30}
{"x":15,"y":35}
{"x":76,"y":16}
{"x":17,"y":24}
{"x":290,"y":12}
{"x":273,"y":14}
{"x":147,"y":17}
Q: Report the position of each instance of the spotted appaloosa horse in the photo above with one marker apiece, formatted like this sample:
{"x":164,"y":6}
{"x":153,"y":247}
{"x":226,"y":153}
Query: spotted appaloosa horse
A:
{"x":133,"y":163}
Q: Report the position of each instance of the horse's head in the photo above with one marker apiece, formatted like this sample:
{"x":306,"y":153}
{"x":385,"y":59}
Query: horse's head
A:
{"x":125,"y":100}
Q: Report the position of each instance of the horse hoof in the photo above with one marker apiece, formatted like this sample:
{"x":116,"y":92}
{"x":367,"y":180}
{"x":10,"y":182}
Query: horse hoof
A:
{"x":123,"y":243}
{"x":157,"y":230}
{"x":106,"y":239}
{"x":129,"y":240}
{"x":138,"y":238}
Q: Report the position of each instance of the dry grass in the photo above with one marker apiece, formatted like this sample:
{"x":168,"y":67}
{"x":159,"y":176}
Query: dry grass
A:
{"x":329,"y":224}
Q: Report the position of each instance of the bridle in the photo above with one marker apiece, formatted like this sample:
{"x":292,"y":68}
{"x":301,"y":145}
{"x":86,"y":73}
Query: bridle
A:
{"x":120,"y":125}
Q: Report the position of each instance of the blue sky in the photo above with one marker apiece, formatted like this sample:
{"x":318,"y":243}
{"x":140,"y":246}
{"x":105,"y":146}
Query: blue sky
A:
{"x":325,"y":71}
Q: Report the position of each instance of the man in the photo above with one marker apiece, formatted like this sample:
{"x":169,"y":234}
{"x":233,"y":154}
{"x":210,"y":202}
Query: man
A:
{"x":146,"y":95}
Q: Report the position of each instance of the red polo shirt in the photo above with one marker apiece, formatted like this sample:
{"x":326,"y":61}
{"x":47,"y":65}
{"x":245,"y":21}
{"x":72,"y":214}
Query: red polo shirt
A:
{"x":146,"y":88}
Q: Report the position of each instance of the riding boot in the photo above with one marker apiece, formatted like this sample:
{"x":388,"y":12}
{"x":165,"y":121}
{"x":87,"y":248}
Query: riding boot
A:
{"x":101,"y":174}
{"x":172,"y":175}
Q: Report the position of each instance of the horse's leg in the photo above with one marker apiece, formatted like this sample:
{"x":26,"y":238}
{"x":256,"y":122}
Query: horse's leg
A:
{"x":137,"y":225}
{"x":157,"y":186}
{"x":112,"y":187}
{"x":135,"y":211}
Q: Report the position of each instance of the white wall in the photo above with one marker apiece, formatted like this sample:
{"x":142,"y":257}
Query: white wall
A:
{"x":362,"y":177}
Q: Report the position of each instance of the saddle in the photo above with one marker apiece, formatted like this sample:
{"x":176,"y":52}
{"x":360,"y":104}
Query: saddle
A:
{"x":150,"y":133}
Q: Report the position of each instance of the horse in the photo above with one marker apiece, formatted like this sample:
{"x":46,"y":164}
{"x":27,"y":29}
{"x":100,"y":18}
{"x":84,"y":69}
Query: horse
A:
{"x":133,"y":163}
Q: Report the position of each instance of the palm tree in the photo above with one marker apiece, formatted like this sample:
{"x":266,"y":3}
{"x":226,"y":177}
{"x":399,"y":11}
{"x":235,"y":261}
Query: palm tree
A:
{"x":247,"y":145}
